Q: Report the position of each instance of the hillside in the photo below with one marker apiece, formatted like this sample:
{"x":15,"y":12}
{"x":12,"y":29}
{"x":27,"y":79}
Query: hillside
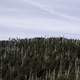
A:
{"x":40,"y":59}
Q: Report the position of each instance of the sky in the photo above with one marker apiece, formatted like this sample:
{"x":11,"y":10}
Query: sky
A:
{"x":39,"y":18}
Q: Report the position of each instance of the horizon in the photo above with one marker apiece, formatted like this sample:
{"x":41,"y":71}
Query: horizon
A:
{"x":56,"y":35}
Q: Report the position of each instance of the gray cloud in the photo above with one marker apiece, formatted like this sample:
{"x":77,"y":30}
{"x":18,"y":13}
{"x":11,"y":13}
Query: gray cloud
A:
{"x":22,"y":17}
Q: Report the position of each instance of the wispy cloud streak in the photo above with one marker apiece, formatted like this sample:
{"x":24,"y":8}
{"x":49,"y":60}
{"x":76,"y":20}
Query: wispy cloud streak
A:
{"x":53,"y":12}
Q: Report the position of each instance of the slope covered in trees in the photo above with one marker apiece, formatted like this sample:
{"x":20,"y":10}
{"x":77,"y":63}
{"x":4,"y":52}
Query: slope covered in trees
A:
{"x":40,"y":59}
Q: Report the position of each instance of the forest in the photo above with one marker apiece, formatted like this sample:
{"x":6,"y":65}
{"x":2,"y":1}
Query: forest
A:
{"x":40,"y":59}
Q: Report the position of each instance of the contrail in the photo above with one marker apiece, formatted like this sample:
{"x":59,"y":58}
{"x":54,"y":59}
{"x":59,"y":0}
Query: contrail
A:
{"x":51,"y":11}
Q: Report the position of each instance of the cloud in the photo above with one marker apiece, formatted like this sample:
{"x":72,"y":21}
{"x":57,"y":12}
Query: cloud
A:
{"x":45,"y":8}
{"x":36,"y":24}
{"x":27,"y":18}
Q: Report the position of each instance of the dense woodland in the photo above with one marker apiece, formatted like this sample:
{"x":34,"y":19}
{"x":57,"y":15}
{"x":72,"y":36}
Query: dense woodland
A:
{"x":40,"y":59}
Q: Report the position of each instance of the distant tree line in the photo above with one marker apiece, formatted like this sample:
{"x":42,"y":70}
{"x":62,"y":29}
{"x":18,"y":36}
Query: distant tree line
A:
{"x":40,"y":59}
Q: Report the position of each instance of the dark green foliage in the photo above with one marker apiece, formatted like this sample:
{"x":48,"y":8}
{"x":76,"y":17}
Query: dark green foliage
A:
{"x":40,"y":59}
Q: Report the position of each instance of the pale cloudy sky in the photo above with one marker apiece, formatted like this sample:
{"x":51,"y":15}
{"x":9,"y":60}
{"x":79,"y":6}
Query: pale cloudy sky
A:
{"x":30,"y":18}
